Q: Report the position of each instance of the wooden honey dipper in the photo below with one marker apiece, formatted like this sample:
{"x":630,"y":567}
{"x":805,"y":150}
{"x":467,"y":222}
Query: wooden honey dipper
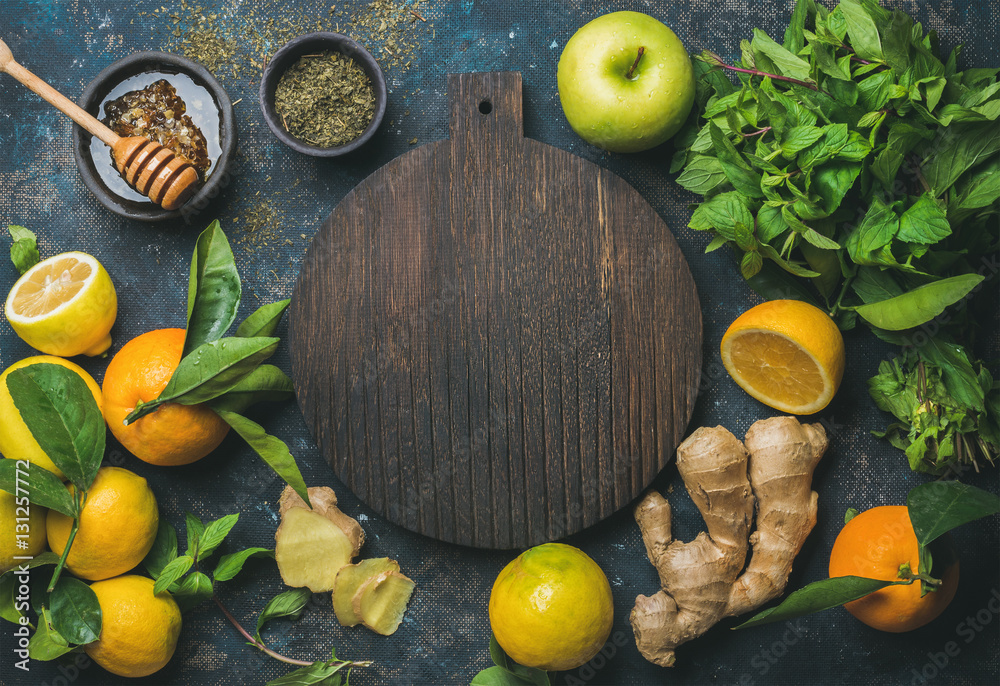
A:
{"x":160,"y":174}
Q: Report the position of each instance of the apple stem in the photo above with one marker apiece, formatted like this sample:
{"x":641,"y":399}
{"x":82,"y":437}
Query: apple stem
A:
{"x":631,"y":70}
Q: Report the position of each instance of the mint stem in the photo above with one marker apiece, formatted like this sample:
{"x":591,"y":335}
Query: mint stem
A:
{"x":631,"y":70}
{"x":757,"y":72}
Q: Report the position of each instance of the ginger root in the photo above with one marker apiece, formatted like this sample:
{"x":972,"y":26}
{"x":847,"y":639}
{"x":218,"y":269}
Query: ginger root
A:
{"x":382,"y":600}
{"x":312,"y":545}
{"x":704,"y":581}
{"x":350,"y":579}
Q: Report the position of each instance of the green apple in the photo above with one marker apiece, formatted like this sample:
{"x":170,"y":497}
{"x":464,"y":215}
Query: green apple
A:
{"x":625,"y":82}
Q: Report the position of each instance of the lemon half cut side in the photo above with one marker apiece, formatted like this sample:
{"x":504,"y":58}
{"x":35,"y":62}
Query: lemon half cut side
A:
{"x":64,"y":306}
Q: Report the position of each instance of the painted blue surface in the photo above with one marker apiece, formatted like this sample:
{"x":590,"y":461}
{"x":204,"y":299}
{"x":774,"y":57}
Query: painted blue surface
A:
{"x":446,"y":632}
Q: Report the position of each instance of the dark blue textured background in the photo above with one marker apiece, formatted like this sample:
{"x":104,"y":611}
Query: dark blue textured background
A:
{"x":445,"y":635}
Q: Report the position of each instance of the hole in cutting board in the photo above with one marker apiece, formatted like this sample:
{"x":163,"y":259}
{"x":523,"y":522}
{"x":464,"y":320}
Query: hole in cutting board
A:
{"x":485,"y":107}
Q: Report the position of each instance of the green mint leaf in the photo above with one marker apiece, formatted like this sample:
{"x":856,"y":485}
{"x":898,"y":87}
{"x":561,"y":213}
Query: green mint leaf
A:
{"x":818,"y":596}
{"x":62,"y":415}
{"x":270,"y":448}
{"x":76,"y":614}
{"x":42,"y":487}
{"x":264,"y":322}
{"x":214,"y":289}
{"x":195,"y":529}
{"x":919,"y":305}
{"x":46,"y":643}
{"x":174,"y":570}
{"x":850,"y":514}
{"x":725,"y":211}
{"x":164,"y":549}
{"x":798,"y":138}
{"x":925,"y":222}
{"x":957,"y":374}
{"x":265,"y":383}
{"x":210,"y":371}
{"x":231,"y":565}
{"x":24,"y":249}
{"x":969,"y":145}
{"x":288,"y":604}
{"x":702,"y":174}
{"x":215,"y":533}
{"x":789,"y":64}
{"x":939,"y":506}
{"x":498,"y":676}
{"x":795,"y":33}
{"x":875,"y":231}
{"x":192,"y":591}
{"x":744,"y":179}
{"x":862,"y":30}
{"x":316,"y":674}
{"x":982,"y":191}
{"x":751,"y":264}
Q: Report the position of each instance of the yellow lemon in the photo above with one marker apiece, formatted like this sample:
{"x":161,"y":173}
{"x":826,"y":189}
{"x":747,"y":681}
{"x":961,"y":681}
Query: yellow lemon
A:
{"x":787,"y":354}
{"x":139,"y":630}
{"x":117,"y":526}
{"x":16,"y":441}
{"x":551,"y":608}
{"x":65,"y":305}
{"x":28,"y":521}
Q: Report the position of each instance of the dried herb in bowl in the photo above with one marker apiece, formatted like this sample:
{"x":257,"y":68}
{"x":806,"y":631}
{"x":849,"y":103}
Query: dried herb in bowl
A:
{"x":325,"y":99}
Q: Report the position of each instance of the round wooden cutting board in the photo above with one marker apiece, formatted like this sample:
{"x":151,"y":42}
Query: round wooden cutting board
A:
{"x":495,"y":342}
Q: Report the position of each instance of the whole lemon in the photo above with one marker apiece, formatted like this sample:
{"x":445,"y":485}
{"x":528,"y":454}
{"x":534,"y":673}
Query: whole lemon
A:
{"x":551,"y":608}
{"x":16,"y":441}
{"x":139,"y":630}
{"x":117,"y":526}
{"x":31,"y":526}
{"x":65,"y":305}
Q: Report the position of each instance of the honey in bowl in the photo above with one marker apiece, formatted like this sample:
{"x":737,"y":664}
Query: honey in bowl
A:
{"x":170,"y":109}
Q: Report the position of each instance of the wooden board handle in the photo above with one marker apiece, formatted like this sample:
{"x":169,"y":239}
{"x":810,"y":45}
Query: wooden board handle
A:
{"x":486,"y":108}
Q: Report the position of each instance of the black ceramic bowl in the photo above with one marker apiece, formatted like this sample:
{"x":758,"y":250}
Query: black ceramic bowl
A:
{"x":207,"y":103}
{"x":305,"y":45}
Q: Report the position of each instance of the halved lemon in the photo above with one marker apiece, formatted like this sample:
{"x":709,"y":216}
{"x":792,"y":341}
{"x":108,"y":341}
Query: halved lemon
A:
{"x":787,"y":354}
{"x":65,"y":306}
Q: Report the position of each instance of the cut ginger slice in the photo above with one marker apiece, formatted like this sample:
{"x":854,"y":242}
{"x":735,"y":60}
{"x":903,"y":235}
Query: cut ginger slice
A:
{"x":350,"y":579}
{"x":382,"y":600}
{"x":310,"y":550}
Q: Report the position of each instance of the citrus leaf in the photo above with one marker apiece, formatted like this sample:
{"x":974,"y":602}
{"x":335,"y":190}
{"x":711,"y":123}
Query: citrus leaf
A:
{"x":264,"y":321}
{"x":939,"y":506}
{"x":214,"y":289}
{"x":528,"y":675}
{"x":42,"y":487}
{"x":76,"y":614}
{"x":818,"y":596}
{"x":46,"y":643}
{"x":265,"y":383}
{"x":63,"y":417}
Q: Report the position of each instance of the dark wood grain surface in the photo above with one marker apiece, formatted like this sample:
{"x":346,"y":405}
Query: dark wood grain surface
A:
{"x":495,"y":342}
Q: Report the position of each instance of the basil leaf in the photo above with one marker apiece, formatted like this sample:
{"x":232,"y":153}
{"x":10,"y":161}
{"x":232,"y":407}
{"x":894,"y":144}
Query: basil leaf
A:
{"x":983,"y":191}
{"x":288,"y":604}
{"x":213,"y":289}
{"x":192,"y":591}
{"x":263,"y":322}
{"x":925,"y":222}
{"x":42,"y":487}
{"x":498,"y":676}
{"x":862,"y":30}
{"x":919,"y":305}
{"x":63,"y":417}
{"x":208,"y":372}
{"x":271,"y":449}
{"x":194,"y":531}
{"x":529,"y":675}
{"x":164,"y":549}
{"x":318,"y":673}
{"x":76,"y":614}
{"x":969,"y":145}
{"x":174,"y":570}
{"x":265,"y":383}
{"x":818,"y":596}
{"x":939,"y":506}
{"x":24,"y":249}
{"x":215,"y":533}
{"x":231,"y":565}
{"x":46,"y":644}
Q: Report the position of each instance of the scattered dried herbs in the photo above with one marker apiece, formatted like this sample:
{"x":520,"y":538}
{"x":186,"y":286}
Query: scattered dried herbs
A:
{"x":325,"y":99}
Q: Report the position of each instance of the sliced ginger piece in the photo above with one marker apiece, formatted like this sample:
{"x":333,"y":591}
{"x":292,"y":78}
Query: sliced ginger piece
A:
{"x":382,"y":600}
{"x":310,"y":550}
{"x":324,"y":502}
{"x":350,"y":579}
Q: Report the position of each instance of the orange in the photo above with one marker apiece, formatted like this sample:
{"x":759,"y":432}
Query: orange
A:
{"x":117,"y":526}
{"x":172,"y":435}
{"x":139,"y":630}
{"x":787,"y":354}
{"x":551,"y":608}
{"x":874,"y":544}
